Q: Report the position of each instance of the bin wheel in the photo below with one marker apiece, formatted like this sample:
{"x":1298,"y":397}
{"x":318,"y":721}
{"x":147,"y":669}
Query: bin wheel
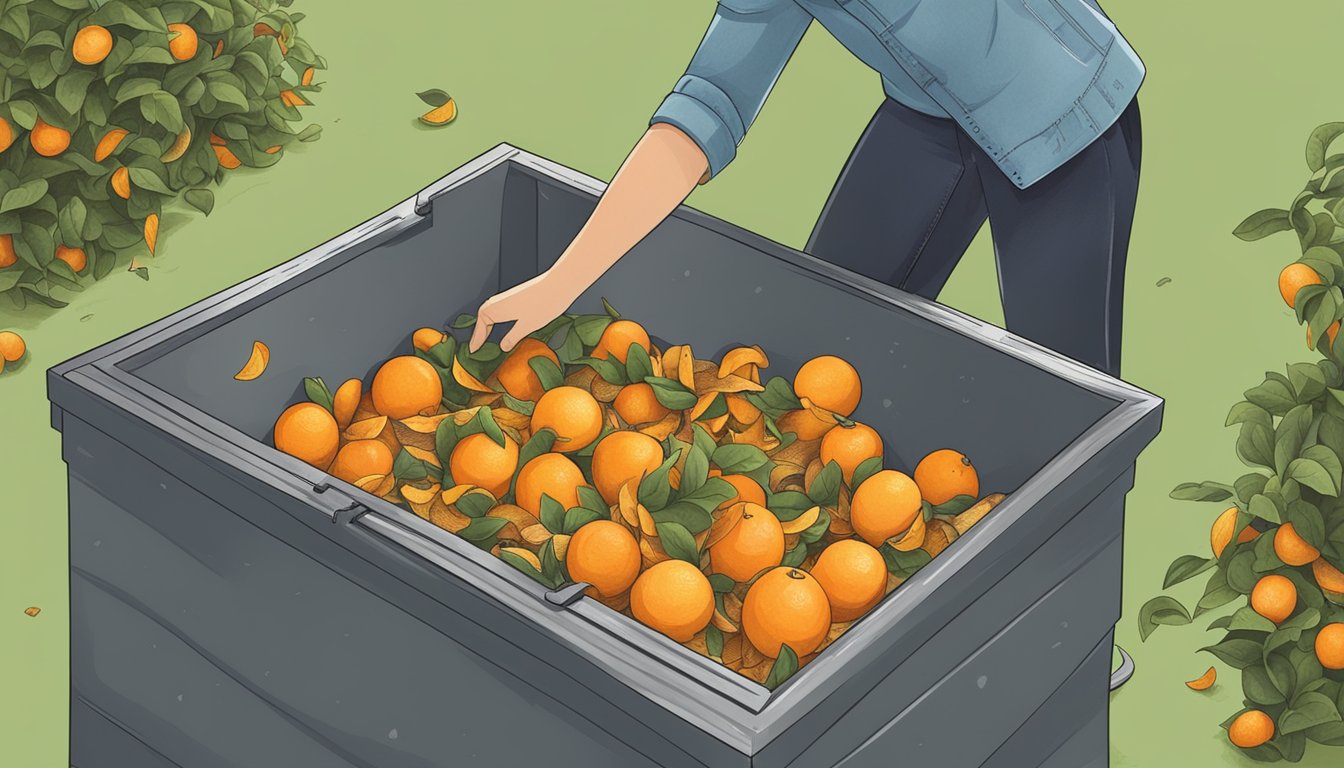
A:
{"x":1121,"y":676}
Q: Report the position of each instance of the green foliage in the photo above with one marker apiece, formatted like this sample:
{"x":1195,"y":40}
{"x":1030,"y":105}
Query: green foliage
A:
{"x":242,"y":85}
{"x":1291,"y":435}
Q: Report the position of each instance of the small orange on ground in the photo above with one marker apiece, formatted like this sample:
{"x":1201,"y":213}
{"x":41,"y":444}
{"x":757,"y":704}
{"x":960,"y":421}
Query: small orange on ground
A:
{"x":11,"y":346}
{"x":478,"y":460}
{"x":854,"y":576}
{"x":74,"y":257}
{"x":572,"y":413}
{"x":851,"y":446}
{"x":49,"y":140}
{"x":805,"y":424}
{"x":361,"y":458}
{"x":121,"y":183}
{"x":637,"y":404}
{"x":516,"y":374}
{"x":604,"y":554}
{"x":830,"y":383}
{"x":307,"y":431}
{"x":1291,"y":548}
{"x":182,"y":41}
{"x":109,"y":143}
{"x":944,"y":475}
{"x":424,"y":338}
{"x":404,"y":386}
{"x":91,"y":44}
{"x":748,"y":490}
{"x":8,"y":257}
{"x":885,"y":505}
{"x":1274,"y":597}
{"x":1294,"y":278}
{"x":6,"y":134}
{"x":553,"y":475}
{"x":786,"y":606}
{"x":1251,"y":729}
{"x":754,"y":544}
{"x":346,"y":401}
{"x":1330,"y":646}
{"x":672,"y":597}
{"x":1220,"y":535}
{"x":1330,"y":578}
{"x":621,"y":457}
{"x":1204,"y":682}
{"x":617,"y":338}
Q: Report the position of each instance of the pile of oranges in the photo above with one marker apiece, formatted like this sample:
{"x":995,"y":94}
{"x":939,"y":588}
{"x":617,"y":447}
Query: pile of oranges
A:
{"x":751,"y":522}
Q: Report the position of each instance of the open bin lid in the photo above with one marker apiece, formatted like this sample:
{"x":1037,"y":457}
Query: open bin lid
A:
{"x":716,"y":700}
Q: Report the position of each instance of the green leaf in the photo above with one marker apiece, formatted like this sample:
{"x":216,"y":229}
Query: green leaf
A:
{"x":1306,"y":711}
{"x":610,"y":310}
{"x":1262,"y":224}
{"x":552,"y":514}
{"x":1273,"y":395}
{"x":865,"y":470}
{"x":1307,"y":522}
{"x":162,"y":108}
{"x":1161,"y":610}
{"x":825,"y":488}
{"x":721,"y":583}
{"x":589,"y":498}
{"x":1186,"y":567}
{"x":547,"y":372}
{"x":475,"y":504}
{"x":1319,"y":142}
{"x":903,"y":564}
{"x":1265,"y":558}
{"x":202,"y":200}
{"x":408,"y":468}
{"x":589,"y":328}
{"x":784,"y":667}
{"x":434,"y":97}
{"x":1238,"y":653}
{"x":1216,"y":593}
{"x":655,"y":489}
{"x":1255,"y":445}
{"x":550,"y":565}
{"x":685,"y":514}
{"x":1263,"y":507}
{"x":672,"y":394}
{"x":1259,"y":688}
{"x":637,"y":364}
{"x":72,"y":87}
{"x":1315,"y":475}
{"x":118,"y":13}
{"x":739,"y":458}
{"x":714,"y":642}
{"x":610,"y":370}
{"x":318,"y":392}
{"x":23,"y":195}
{"x":678,"y":542}
{"x":483,"y":529}
{"x":695,"y":472}
{"x":577,"y":517}
{"x":541,"y":442}
{"x":147,"y":179}
{"x":1206,"y":491}
{"x":1245,"y":619}
{"x":1249,"y":485}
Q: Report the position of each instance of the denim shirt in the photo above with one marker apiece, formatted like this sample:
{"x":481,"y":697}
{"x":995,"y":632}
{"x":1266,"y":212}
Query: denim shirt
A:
{"x":1032,"y":82}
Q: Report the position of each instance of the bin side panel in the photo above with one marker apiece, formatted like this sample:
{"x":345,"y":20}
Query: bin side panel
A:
{"x":307,"y":661}
{"x":96,"y":741}
{"x":343,"y":323}
{"x":1023,"y":637}
{"x":926,"y":386}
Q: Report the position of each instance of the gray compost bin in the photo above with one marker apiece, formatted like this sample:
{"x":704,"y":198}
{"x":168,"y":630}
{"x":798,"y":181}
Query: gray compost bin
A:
{"x":232,"y":606}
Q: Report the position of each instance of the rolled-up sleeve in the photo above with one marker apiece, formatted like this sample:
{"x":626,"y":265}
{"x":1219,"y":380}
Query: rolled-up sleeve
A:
{"x":731,"y":74}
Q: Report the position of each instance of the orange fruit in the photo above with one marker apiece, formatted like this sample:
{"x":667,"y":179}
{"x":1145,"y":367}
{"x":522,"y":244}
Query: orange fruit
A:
{"x":851,"y":446}
{"x":8,"y":257}
{"x":804,"y":424}
{"x":604,"y":554}
{"x":516,"y":374}
{"x":1274,"y":597}
{"x":425,"y":338}
{"x":361,"y":458}
{"x":6,"y":134}
{"x":479,"y":460}
{"x":226,"y":158}
{"x":1293,"y":549}
{"x":786,"y":606}
{"x":617,"y":338}
{"x":672,"y":597}
{"x":748,"y":490}
{"x":346,"y":401}
{"x":854,"y":576}
{"x":110,"y":141}
{"x":621,"y":457}
{"x":885,"y":505}
{"x":944,"y":475}
{"x":183,"y":45}
{"x":1294,"y":278}
{"x":1330,"y":334}
{"x":754,"y":544}
{"x":308,"y":432}
{"x":11,"y":346}
{"x":121,"y":183}
{"x":572,"y":413}
{"x":404,"y":386}
{"x":91,"y":45}
{"x":551,"y":474}
{"x":49,"y":140}
{"x":1328,"y":577}
{"x":74,"y":257}
{"x":1330,"y":646}
{"x":830,"y":383}
{"x":637,"y":404}
{"x":1220,"y":535}
{"x":1251,"y":729}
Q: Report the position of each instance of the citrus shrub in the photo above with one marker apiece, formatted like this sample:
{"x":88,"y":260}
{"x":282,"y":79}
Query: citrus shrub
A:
{"x":1277,"y":542}
{"x":110,"y":110}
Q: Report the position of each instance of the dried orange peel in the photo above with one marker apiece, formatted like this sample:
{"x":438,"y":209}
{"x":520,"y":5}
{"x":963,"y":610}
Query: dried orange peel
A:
{"x":256,"y":364}
{"x":1204,"y":682}
{"x":444,"y":108}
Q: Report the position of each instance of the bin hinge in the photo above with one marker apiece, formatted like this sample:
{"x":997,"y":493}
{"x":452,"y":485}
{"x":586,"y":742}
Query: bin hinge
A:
{"x":568,"y":594}
{"x":342,"y":509}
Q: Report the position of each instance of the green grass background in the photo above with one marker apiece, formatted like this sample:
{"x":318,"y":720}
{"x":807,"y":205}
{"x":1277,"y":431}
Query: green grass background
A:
{"x":1232,"y":91}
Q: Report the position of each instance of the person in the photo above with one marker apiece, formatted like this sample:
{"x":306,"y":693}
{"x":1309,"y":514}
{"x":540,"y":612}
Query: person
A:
{"x":1020,"y":111}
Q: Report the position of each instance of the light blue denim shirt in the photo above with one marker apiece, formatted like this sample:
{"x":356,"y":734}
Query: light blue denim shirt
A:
{"x":1032,"y":82}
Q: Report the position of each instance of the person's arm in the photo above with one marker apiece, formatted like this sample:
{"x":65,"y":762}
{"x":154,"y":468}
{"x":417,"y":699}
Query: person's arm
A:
{"x":692,"y":136}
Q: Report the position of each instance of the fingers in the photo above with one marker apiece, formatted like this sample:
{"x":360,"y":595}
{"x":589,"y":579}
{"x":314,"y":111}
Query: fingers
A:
{"x":517,"y":333}
{"x":482,"y":330}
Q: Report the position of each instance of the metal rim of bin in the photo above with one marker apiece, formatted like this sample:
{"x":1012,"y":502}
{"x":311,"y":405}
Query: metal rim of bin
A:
{"x":741,"y":713}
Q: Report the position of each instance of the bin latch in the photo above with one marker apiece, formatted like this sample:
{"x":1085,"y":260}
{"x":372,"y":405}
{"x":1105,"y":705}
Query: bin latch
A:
{"x":568,"y":594}
{"x":343,"y":509}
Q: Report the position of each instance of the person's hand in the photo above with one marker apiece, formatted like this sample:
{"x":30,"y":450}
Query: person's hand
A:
{"x":529,"y":306}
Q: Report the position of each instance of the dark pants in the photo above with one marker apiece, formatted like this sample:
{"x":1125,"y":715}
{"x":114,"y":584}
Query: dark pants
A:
{"x":916,"y":189}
